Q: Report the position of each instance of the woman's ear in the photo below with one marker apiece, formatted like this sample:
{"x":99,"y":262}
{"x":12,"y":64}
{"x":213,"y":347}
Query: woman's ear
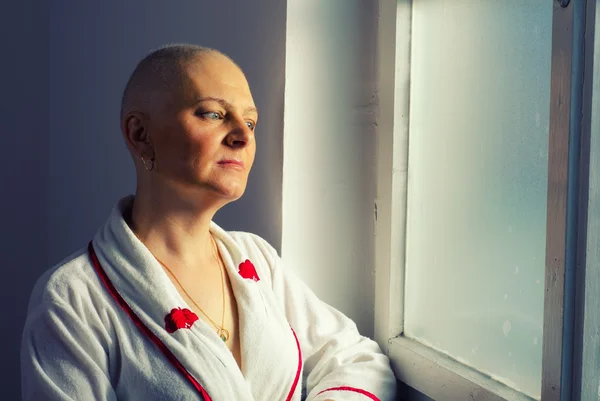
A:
{"x":137,"y":136}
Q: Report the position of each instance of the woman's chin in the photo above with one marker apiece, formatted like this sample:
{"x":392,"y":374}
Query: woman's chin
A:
{"x":224,"y":191}
{"x":231,"y":191}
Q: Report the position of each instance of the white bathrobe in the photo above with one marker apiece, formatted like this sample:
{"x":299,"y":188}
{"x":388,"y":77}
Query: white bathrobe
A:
{"x":108,"y":324}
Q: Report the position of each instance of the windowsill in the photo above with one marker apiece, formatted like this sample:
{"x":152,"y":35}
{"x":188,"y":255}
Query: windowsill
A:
{"x":442,"y":378}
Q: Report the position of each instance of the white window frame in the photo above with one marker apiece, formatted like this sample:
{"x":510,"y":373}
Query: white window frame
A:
{"x":571,"y":367}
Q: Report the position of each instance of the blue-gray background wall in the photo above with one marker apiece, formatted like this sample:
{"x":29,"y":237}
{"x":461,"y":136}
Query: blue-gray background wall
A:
{"x":24,"y":169}
{"x":63,"y":162}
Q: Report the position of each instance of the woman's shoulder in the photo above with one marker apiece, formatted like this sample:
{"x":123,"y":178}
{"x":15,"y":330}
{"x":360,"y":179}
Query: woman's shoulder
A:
{"x":68,"y":306}
{"x":66,"y":283}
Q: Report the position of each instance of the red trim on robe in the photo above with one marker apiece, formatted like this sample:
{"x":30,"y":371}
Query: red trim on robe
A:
{"x":138,"y":322}
{"x":297,"y":378}
{"x":355,"y":390}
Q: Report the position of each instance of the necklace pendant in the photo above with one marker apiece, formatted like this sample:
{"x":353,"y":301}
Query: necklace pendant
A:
{"x":224,"y":334}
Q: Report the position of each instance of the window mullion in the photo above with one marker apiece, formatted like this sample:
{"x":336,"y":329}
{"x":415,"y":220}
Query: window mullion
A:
{"x":563,"y":201}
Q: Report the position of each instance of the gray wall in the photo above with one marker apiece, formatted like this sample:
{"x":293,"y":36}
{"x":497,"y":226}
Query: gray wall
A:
{"x":64,"y":163}
{"x":24,"y":159}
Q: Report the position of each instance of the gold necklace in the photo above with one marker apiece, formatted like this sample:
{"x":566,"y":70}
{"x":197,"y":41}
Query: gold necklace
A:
{"x":222,"y":332}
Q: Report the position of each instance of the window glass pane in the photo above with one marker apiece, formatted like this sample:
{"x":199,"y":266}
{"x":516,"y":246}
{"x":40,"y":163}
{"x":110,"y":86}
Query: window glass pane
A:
{"x":478,"y":154}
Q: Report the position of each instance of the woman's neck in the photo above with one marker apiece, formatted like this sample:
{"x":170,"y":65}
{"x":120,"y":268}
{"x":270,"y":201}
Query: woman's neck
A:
{"x":176,"y":232}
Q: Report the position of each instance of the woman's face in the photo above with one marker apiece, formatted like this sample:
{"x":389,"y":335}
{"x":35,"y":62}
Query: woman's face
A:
{"x":203,"y":136}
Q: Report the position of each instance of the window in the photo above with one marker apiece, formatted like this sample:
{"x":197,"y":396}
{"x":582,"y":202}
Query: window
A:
{"x":487,"y":267}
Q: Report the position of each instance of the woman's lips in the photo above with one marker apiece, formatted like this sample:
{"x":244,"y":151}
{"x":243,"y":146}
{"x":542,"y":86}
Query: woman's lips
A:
{"x":232,"y":163}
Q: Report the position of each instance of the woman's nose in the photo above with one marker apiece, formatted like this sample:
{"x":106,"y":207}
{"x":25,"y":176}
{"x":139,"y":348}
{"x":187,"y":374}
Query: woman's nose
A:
{"x":240,"y":135}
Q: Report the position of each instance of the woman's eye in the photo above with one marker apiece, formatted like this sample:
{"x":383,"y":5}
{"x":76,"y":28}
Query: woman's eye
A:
{"x":251,"y":125}
{"x":212,"y":115}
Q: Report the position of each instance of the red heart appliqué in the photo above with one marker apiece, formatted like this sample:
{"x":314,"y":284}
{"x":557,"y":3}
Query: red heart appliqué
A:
{"x":248,"y":271}
{"x":179,"y":319}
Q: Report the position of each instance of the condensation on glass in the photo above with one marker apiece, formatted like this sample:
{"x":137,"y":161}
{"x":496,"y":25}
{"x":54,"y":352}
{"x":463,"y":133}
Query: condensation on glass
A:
{"x":478,"y":170}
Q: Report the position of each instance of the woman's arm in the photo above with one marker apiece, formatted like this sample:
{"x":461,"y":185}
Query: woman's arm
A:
{"x":61,"y":357}
{"x":339,"y":363}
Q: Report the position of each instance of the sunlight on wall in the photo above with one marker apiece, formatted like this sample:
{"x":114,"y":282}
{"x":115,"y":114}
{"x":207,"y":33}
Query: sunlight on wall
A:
{"x":329,"y":150}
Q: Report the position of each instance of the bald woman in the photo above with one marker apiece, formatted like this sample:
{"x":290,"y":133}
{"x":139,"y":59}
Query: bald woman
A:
{"x":164,"y":304}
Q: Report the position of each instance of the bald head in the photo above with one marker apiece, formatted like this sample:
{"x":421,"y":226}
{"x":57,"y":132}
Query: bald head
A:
{"x":160,"y":74}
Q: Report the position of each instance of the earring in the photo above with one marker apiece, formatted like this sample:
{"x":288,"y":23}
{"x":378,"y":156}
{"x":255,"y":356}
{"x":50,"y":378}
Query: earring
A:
{"x":146,"y":166}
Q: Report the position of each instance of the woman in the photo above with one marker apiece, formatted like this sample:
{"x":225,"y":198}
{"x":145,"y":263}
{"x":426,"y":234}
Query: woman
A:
{"x":166,"y":305}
